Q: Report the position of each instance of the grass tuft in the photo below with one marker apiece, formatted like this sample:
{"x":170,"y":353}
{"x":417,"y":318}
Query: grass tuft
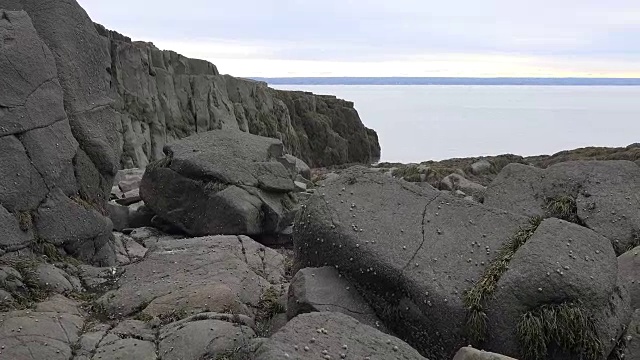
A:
{"x":486,"y":285}
{"x":173,"y":316}
{"x":268,"y":307}
{"x":25,"y":220}
{"x":567,"y":326}
{"x":410,"y":173}
{"x":563,"y":207}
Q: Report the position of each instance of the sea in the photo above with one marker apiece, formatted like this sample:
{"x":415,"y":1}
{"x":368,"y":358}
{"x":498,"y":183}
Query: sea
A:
{"x":416,"y":123}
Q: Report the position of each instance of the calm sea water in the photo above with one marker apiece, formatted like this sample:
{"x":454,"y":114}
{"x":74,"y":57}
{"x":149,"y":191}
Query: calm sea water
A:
{"x":418,"y":123}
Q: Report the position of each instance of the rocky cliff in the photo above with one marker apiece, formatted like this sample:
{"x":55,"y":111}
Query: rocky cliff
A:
{"x":166,"y":96}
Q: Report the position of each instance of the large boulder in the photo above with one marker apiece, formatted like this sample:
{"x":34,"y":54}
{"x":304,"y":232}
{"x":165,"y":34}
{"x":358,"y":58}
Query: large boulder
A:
{"x":410,"y":251}
{"x":456,"y":182}
{"x":562,"y":269}
{"x":419,"y":256}
{"x":602,"y":195}
{"x":328,"y":335}
{"x":222,"y":182}
{"x":39,"y":188}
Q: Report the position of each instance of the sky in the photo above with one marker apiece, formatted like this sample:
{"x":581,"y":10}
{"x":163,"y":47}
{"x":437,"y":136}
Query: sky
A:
{"x":488,"y":38}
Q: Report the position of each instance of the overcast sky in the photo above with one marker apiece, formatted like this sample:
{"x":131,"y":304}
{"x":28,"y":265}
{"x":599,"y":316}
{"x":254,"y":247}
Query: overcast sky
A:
{"x":273,"y":38}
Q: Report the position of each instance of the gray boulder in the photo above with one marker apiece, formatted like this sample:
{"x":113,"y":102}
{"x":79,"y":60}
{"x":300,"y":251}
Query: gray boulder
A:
{"x":180,"y":277}
{"x":410,"y":251}
{"x":221,"y":182}
{"x":631,"y":339}
{"x":602,"y":195}
{"x":130,"y":339}
{"x":52,"y":278}
{"x":331,"y":336}
{"x":563,"y":267}
{"x":324,"y":290}
{"x":50,"y":331}
{"x":299,"y":166}
{"x":629,"y":274}
{"x":455,"y":182}
{"x":202,"y":338}
{"x":481,"y":167}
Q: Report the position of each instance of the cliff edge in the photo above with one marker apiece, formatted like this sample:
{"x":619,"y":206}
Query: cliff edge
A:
{"x":165,"y":96}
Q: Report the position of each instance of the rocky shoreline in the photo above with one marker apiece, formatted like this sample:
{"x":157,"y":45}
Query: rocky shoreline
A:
{"x":152,"y":208}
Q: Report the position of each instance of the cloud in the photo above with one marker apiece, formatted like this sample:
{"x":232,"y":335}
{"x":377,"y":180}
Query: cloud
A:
{"x":256,"y":37}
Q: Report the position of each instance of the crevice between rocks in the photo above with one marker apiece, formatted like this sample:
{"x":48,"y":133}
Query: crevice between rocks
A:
{"x":424,"y":216}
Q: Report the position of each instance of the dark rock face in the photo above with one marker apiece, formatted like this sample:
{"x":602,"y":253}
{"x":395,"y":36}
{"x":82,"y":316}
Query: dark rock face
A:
{"x":415,"y":253}
{"x":41,"y":186}
{"x":222,"y":182}
{"x":604,"y":195}
{"x":166,"y":96}
{"x":82,"y":61}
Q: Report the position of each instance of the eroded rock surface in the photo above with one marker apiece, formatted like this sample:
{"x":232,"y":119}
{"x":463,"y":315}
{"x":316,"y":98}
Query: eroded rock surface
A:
{"x":324,"y":290}
{"x":222,"y":182}
{"x":415,"y":254}
{"x":318,"y":334}
{"x":167,"y":97}
{"x":411,"y":252}
{"x":602,"y":195}
{"x":55,"y":158}
{"x":186,"y":276}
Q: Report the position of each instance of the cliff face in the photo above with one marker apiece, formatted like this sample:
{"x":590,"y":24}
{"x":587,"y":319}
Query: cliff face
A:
{"x":165,"y":96}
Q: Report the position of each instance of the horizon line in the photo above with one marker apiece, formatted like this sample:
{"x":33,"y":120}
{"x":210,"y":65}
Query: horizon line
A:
{"x":447,"y":80}
{"x":441,"y":77}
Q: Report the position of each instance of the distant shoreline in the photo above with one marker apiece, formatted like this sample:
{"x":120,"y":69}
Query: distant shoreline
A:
{"x":449,"y":81}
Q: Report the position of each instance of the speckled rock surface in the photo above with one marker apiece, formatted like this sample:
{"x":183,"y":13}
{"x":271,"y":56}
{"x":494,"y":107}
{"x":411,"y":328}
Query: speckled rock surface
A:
{"x":410,"y":251}
{"x":316,"y":335}
{"x":606,"y":194}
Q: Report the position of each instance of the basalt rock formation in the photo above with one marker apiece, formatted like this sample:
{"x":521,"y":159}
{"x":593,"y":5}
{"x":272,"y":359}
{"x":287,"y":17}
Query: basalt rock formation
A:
{"x":165,"y":96}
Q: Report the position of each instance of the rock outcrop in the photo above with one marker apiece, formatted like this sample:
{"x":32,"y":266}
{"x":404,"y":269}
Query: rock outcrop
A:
{"x":56,"y":159}
{"x":432,"y":265}
{"x":601,"y":195}
{"x":166,"y":96}
{"x":222,"y":182}
{"x":190,"y":276}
